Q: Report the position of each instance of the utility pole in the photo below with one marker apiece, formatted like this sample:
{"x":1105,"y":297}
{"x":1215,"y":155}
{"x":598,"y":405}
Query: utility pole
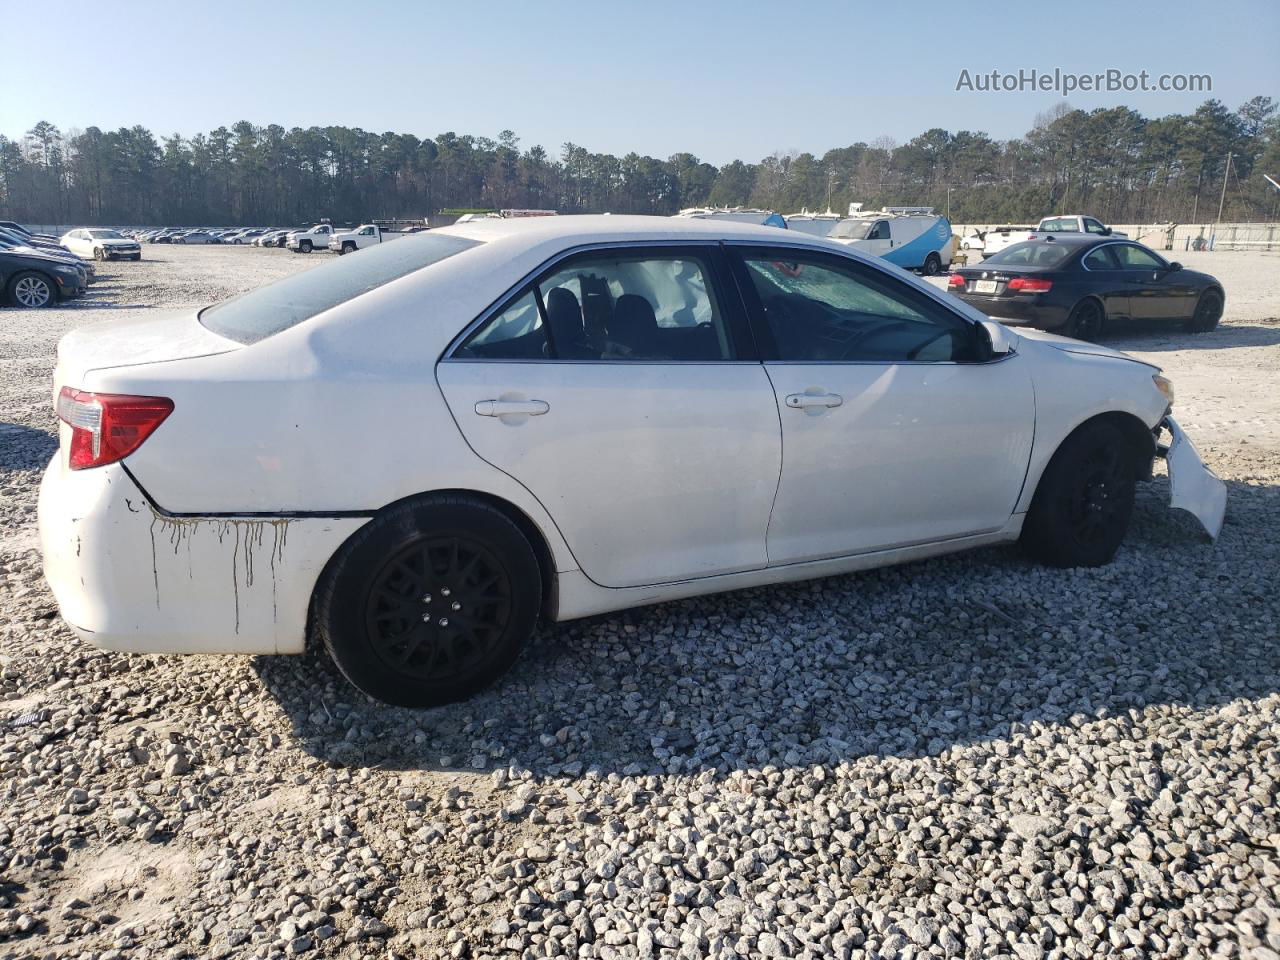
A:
{"x":1195,"y":207}
{"x":1223,"y":199}
{"x":948,"y":201}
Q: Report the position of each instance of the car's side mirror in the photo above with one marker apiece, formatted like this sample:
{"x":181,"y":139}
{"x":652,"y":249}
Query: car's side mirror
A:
{"x":999,"y":337}
{"x":1174,"y":267}
{"x":1106,"y":231}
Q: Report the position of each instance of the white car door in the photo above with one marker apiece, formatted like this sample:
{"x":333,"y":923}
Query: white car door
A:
{"x":894,"y":429}
{"x":618,"y":390}
{"x":78,"y":242}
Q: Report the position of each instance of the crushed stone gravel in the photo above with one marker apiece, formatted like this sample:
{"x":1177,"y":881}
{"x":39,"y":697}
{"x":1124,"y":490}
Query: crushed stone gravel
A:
{"x":967,"y":757}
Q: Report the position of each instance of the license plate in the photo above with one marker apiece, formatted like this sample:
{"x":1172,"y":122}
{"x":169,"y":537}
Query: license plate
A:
{"x":984,"y":286}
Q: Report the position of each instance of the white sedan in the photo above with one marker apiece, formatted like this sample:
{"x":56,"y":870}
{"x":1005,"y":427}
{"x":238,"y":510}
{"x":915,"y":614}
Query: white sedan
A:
{"x":101,"y":244}
{"x":423,"y":449}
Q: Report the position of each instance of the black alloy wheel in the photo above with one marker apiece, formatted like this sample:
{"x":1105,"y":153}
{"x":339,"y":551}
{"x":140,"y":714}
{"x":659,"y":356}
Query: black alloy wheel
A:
{"x":1086,"y":321}
{"x":438,"y":608}
{"x":1208,"y":312}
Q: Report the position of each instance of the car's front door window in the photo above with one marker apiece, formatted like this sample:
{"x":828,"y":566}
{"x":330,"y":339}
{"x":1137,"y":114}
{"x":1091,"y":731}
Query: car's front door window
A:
{"x":1101,"y":258}
{"x":1133,"y":257}
{"x":818,"y":310}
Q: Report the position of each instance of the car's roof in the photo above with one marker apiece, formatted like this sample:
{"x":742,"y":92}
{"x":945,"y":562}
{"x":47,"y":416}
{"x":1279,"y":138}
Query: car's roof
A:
{"x":596,"y":228}
{"x":1077,"y":239}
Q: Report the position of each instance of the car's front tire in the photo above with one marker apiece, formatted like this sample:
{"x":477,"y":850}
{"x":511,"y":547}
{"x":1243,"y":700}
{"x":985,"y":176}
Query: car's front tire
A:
{"x":429,"y":602}
{"x":99,"y":254}
{"x":1208,"y":312}
{"x":1082,"y":506}
{"x":348,"y":248}
{"x":32,"y":289}
{"x":305,"y":246}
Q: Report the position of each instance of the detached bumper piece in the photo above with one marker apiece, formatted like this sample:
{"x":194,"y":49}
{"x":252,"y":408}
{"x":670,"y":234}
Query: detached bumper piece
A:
{"x":1193,"y":486}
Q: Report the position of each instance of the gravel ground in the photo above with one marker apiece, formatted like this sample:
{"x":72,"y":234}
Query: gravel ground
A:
{"x":970,"y":756}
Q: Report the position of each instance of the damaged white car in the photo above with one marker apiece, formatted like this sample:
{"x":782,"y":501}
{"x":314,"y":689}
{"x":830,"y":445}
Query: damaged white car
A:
{"x":418,"y":452}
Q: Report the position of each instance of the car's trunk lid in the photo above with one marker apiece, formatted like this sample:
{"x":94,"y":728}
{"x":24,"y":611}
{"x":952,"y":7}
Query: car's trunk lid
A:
{"x":155,"y":338}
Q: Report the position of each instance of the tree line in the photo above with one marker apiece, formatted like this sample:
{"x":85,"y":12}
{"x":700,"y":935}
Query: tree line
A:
{"x":1112,"y":163}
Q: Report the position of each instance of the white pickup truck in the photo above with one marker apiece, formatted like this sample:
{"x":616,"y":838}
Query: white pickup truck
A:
{"x":1000,"y":237}
{"x":365,"y":235}
{"x":304,"y":241}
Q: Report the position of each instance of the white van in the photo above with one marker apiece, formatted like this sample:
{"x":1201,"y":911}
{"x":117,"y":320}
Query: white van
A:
{"x":912,"y":241}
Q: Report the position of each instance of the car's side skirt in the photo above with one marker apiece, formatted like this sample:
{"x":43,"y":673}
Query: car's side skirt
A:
{"x":578,"y":596}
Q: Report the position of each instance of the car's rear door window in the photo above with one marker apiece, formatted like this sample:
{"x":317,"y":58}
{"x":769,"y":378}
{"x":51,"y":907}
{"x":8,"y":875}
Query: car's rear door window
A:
{"x":267,"y":310}
{"x":613,"y":306}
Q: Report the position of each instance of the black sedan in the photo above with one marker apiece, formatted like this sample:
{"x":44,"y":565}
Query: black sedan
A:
{"x":30,"y":279}
{"x":1075,"y":284}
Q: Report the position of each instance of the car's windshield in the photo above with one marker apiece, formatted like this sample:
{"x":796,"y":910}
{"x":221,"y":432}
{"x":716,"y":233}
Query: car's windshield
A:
{"x":851,"y":230}
{"x":1030,"y":254}
{"x":105,"y":235}
{"x":259,"y":313}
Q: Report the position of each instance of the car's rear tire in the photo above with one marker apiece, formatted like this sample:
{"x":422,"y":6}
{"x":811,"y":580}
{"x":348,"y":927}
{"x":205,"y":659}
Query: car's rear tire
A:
{"x":30,"y":289}
{"x":1086,"y":321}
{"x":429,"y":602}
{"x":1082,"y":506}
{"x":1208,"y":312}
{"x":932,"y":265}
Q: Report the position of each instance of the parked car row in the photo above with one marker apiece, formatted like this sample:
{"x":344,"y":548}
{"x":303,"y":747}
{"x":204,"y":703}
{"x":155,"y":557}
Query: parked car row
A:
{"x":37,"y":270}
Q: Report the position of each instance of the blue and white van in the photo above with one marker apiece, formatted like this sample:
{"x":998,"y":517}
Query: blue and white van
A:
{"x":914,"y":238}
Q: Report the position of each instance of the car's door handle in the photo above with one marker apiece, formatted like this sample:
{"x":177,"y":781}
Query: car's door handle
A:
{"x":805,"y":401}
{"x":512,"y":408}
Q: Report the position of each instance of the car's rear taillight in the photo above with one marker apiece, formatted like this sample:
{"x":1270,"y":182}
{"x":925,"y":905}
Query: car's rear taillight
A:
{"x":1030,"y":285}
{"x":956,"y":282}
{"x":106,"y":427}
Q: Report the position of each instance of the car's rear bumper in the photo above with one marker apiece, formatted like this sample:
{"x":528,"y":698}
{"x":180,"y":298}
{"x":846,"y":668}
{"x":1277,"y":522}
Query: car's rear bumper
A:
{"x":1019,"y":311}
{"x":128,"y":577}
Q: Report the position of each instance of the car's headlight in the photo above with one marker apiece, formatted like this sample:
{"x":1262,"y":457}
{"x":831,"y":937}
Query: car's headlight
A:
{"x":1165,"y":386}
{"x":69,"y":270}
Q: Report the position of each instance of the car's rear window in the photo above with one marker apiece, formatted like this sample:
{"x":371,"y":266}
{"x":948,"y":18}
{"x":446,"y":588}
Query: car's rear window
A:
{"x":260,"y":313}
{"x":1031,"y":254}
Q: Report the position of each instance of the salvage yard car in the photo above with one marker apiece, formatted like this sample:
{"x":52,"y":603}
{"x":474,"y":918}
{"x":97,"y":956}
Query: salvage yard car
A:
{"x":33,"y":279}
{"x":421,"y":450}
{"x":101,"y":244}
{"x":1076,"y":283}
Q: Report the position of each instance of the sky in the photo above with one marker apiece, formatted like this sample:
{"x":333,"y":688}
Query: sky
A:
{"x":722,"y":80}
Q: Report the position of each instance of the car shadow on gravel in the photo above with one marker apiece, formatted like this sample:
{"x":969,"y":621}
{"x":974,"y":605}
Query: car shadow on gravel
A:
{"x":1156,"y":339}
{"x":25,"y":448}
{"x":908,"y":661}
